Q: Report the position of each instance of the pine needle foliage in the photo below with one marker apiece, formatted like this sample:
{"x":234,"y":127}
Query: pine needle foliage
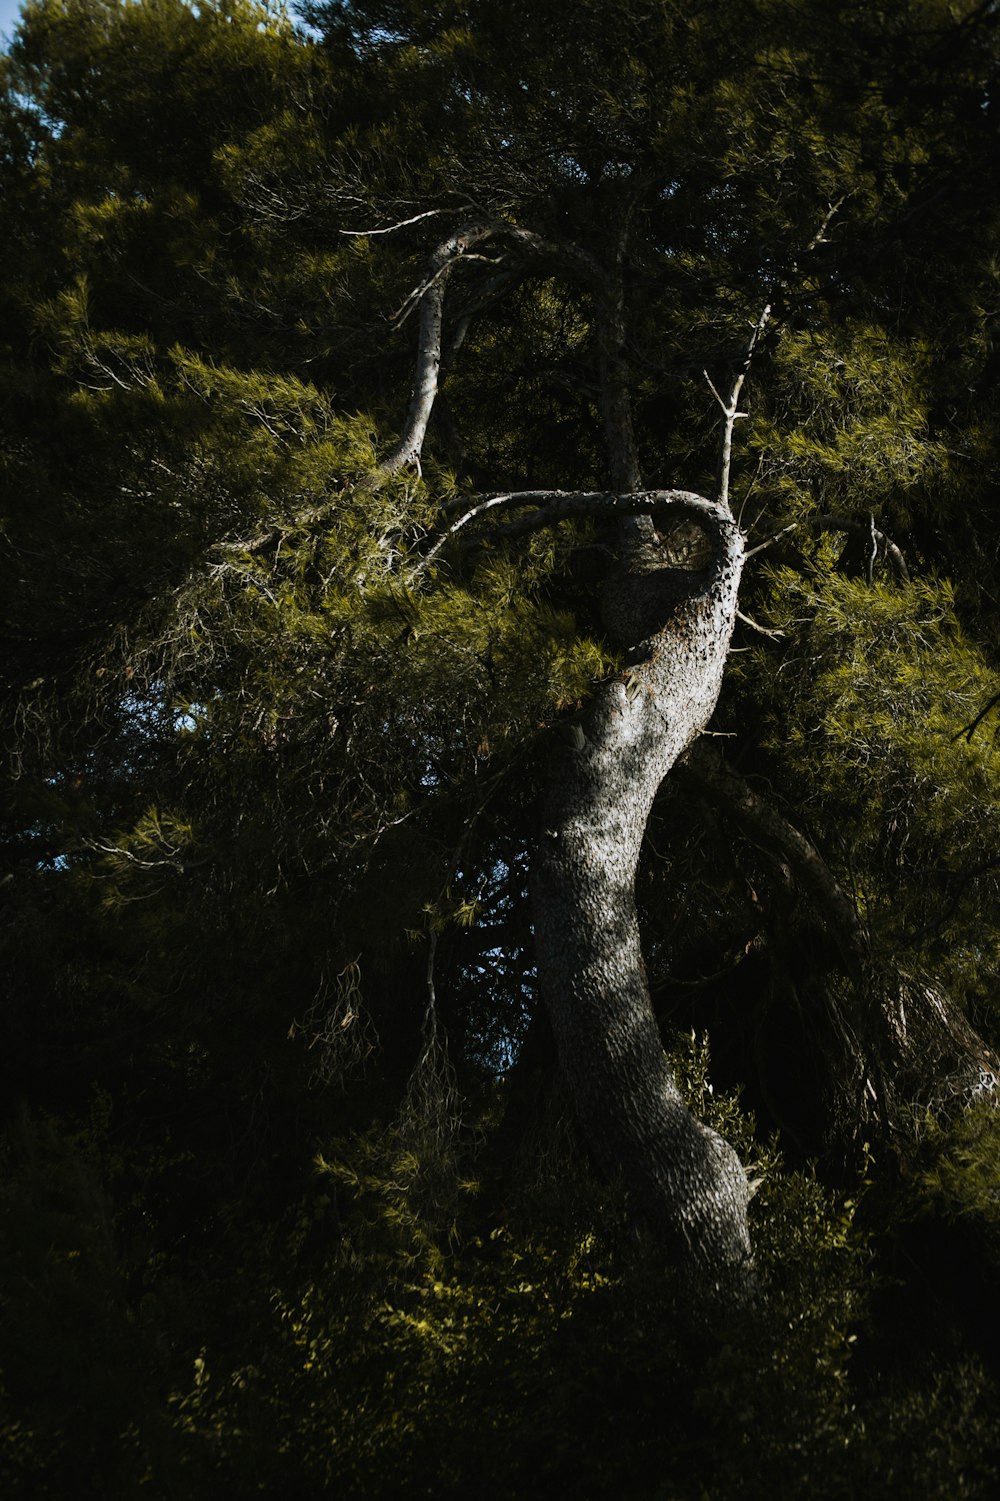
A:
{"x":292,"y":1201}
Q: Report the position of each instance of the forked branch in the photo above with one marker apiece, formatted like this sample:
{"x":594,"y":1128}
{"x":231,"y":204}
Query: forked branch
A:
{"x":730,"y":408}
{"x":864,"y":529}
{"x":430,"y":295}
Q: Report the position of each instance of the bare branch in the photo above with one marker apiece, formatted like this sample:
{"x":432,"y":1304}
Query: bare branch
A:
{"x":763,"y":629}
{"x":414,"y":296}
{"x":553,"y":506}
{"x":841,"y":524}
{"x":477,"y":510}
{"x":431,"y":298}
{"x":730,"y":409}
{"x":819,"y":238}
{"x":391,"y":229}
{"x":587,"y":267}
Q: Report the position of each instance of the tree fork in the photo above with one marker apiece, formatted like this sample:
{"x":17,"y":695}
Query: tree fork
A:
{"x":688,"y":1181}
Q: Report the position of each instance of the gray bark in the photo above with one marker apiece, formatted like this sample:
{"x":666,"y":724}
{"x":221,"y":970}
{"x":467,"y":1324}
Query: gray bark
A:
{"x":430,"y":299}
{"x":687,"y":1180}
{"x":677,"y":626}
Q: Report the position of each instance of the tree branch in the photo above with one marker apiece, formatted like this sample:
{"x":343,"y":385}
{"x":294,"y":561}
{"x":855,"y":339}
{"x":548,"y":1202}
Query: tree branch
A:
{"x":565,"y":505}
{"x":765,"y":827}
{"x":969,"y":730}
{"x":730,"y":408}
{"x":430,"y":296}
{"x":841,"y":524}
{"x":391,"y":229}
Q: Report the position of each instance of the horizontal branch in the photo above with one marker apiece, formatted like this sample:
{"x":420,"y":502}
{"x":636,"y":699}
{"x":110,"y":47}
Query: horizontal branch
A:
{"x":553,"y":506}
{"x":840,"y":524}
{"x":564,"y":506}
{"x":391,"y":229}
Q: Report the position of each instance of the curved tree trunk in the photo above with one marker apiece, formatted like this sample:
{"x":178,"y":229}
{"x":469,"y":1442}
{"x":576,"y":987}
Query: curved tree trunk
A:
{"x":677,"y":626}
{"x":689,"y":1182}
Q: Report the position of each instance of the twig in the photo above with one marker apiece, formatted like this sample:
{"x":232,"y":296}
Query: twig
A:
{"x":841,"y":524}
{"x":730,"y":409}
{"x":763,"y":629}
{"x":970,"y":729}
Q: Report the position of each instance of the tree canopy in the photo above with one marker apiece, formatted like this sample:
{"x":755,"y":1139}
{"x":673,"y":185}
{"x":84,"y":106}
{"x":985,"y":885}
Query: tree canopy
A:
{"x":393,"y":399}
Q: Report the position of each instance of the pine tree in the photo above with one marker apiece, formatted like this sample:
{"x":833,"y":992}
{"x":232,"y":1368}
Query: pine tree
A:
{"x":311,"y":669}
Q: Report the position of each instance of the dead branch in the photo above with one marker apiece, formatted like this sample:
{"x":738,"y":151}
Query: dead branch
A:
{"x":841,"y":524}
{"x":730,"y":408}
{"x":391,"y":229}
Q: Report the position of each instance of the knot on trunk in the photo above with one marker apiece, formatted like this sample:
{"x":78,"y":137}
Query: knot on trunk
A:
{"x":640,"y":598}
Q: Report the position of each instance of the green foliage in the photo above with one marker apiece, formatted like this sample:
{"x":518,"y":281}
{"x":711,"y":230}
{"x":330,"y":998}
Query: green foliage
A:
{"x":385,"y":1341}
{"x":956,"y":1166}
{"x":411,"y":1329}
{"x":850,"y":418}
{"x":886,"y":687}
{"x":271,"y":766}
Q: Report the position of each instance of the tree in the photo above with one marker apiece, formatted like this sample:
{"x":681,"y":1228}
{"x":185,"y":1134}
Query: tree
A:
{"x":300,"y":666}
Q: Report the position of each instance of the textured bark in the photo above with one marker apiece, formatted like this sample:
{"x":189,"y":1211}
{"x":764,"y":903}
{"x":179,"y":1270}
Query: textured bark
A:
{"x":430,"y":298}
{"x":689,"y":1182}
{"x":677,"y":626}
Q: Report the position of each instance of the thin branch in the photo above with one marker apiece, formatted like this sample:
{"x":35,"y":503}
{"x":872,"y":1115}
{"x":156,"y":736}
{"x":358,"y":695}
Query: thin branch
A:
{"x":970,"y":729}
{"x":391,"y":229}
{"x":819,"y":238}
{"x":763,"y":629}
{"x":841,"y":524}
{"x":553,"y":506}
{"x":445,"y":538}
{"x":730,"y":409}
{"x":416,"y":294}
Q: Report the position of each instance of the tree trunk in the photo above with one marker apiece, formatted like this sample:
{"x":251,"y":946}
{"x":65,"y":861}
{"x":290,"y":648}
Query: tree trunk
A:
{"x":687,"y":1180}
{"x":677,"y":627}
